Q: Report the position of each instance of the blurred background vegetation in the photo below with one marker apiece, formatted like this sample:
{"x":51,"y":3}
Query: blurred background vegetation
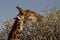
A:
{"x":47,"y":30}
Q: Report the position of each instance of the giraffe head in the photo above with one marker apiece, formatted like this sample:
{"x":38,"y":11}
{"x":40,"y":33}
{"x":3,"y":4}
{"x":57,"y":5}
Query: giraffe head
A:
{"x":29,"y":15}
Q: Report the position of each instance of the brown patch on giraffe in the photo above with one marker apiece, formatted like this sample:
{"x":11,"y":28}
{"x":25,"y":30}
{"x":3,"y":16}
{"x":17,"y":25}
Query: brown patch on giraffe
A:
{"x":18,"y":37}
{"x":14,"y":35}
{"x":18,"y":32}
{"x":18,"y":27}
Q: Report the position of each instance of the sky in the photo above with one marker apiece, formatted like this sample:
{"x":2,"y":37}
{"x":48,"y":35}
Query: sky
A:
{"x":8,"y":7}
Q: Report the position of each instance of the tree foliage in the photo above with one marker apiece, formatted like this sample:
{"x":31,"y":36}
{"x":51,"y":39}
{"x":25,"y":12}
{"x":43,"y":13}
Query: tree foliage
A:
{"x":47,"y":30}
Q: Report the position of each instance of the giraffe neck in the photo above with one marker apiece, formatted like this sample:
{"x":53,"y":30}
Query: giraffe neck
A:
{"x":16,"y":30}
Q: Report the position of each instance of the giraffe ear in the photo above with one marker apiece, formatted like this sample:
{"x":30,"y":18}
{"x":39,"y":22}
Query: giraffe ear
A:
{"x":21,"y":11}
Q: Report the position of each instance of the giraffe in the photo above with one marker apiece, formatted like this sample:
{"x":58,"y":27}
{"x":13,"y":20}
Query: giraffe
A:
{"x":23,"y":17}
{"x":30,"y":15}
